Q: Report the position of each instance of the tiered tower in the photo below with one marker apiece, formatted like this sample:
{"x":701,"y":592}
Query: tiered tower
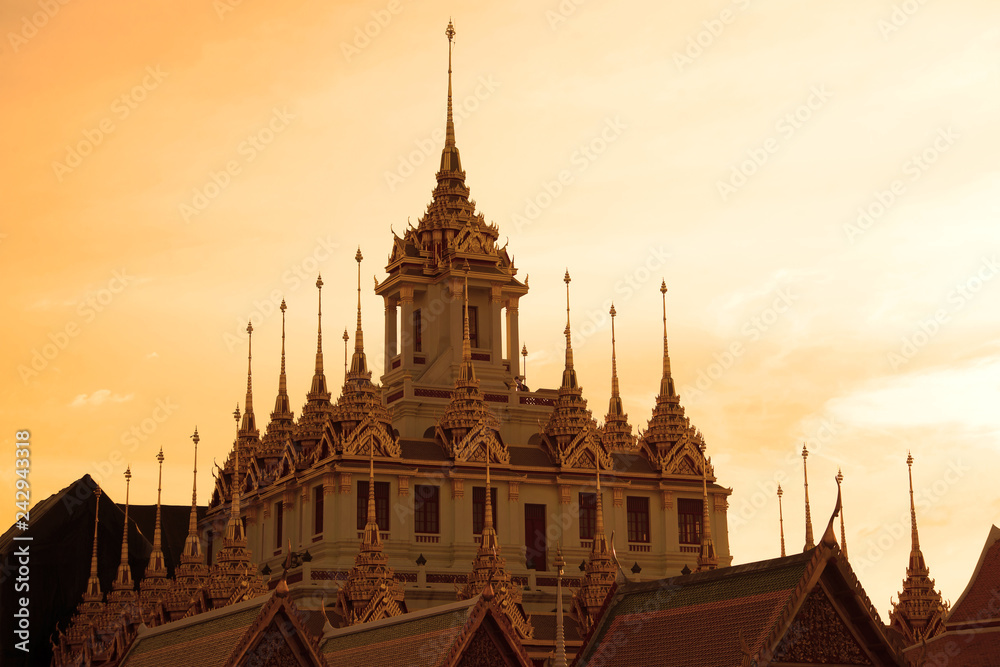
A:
{"x":919,"y":613}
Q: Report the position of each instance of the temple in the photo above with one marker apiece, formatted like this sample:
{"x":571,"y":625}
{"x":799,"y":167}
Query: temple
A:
{"x":445,"y":497}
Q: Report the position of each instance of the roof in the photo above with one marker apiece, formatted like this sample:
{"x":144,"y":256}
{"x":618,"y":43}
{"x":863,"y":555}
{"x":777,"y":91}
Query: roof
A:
{"x":462,"y":631}
{"x":695,"y":620}
{"x":756,"y":611}
{"x":250,"y":632}
{"x":421,"y":637}
{"x":203,"y":639}
{"x":978,"y":602}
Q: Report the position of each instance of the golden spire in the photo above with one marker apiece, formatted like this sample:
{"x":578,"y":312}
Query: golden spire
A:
{"x":123,"y":580}
{"x":234,"y":529}
{"x":282,"y":406}
{"x":809,"y":526}
{"x":192,"y":545}
{"x":157,"y":566}
{"x":667,"y":381}
{"x":616,"y":401}
{"x":617,"y":432}
{"x":781,"y":521}
{"x":450,"y":125}
{"x":707,"y":559}
{"x":468,"y":370}
{"x":359,"y":365}
{"x":318,"y":390}
{"x":93,"y":592}
{"x":569,"y":374}
{"x":249,"y":427}
{"x":560,"y":631}
{"x":843,"y":535}
{"x":372,"y":539}
{"x":346,"y":338}
{"x":919,"y":612}
{"x":489,"y":533}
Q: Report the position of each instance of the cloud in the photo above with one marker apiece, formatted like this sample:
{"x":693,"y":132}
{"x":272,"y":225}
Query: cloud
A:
{"x":99,"y":397}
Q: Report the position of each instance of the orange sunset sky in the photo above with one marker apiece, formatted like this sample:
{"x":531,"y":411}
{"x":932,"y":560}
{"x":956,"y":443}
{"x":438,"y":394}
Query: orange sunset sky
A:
{"x":817,"y":183}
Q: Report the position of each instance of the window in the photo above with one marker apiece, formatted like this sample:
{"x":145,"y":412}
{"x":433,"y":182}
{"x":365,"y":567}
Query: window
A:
{"x":381,"y":505}
{"x":588,"y":515}
{"x":318,"y":509}
{"x":534,"y":537}
{"x":638,"y":519}
{"x":689,"y":520}
{"x":417,"y":331}
{"x":279,"y":523}
{"x":479,"y":507}
{"x":473,"y":326}
{"x":426,"y":504}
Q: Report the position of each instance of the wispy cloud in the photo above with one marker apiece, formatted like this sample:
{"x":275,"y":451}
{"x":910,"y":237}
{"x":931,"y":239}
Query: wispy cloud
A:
{"x":99,"y":397}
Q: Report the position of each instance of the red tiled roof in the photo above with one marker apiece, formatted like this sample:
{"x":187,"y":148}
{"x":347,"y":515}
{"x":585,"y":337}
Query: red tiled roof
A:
{"x":981,"y":600}
{"x":959,"y":649}
{"x":201,"y":640}
{"x":697,"y":620}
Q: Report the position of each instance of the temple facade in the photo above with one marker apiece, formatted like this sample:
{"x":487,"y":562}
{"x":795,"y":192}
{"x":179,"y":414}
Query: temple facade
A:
{"x":451,"y":417}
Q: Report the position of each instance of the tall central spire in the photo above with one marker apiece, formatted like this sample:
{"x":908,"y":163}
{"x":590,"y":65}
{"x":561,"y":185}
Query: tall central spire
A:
{"x":809,"y":525}
{"x":450,"y":160}
{"x":917,"y":564}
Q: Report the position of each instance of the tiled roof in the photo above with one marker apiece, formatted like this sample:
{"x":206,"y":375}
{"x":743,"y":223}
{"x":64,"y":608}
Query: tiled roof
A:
{"x":418,"y":638}
{"x":979,"y":600}
{"x":959,"y":649}
{"x":204,"y":640}
{"x":696,"y":620}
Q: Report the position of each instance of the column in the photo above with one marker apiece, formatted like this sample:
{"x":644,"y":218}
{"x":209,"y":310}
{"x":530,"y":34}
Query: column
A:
{"x":390,"y":332}
{"x":406,"y":308}
{"x":513,"y":340}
